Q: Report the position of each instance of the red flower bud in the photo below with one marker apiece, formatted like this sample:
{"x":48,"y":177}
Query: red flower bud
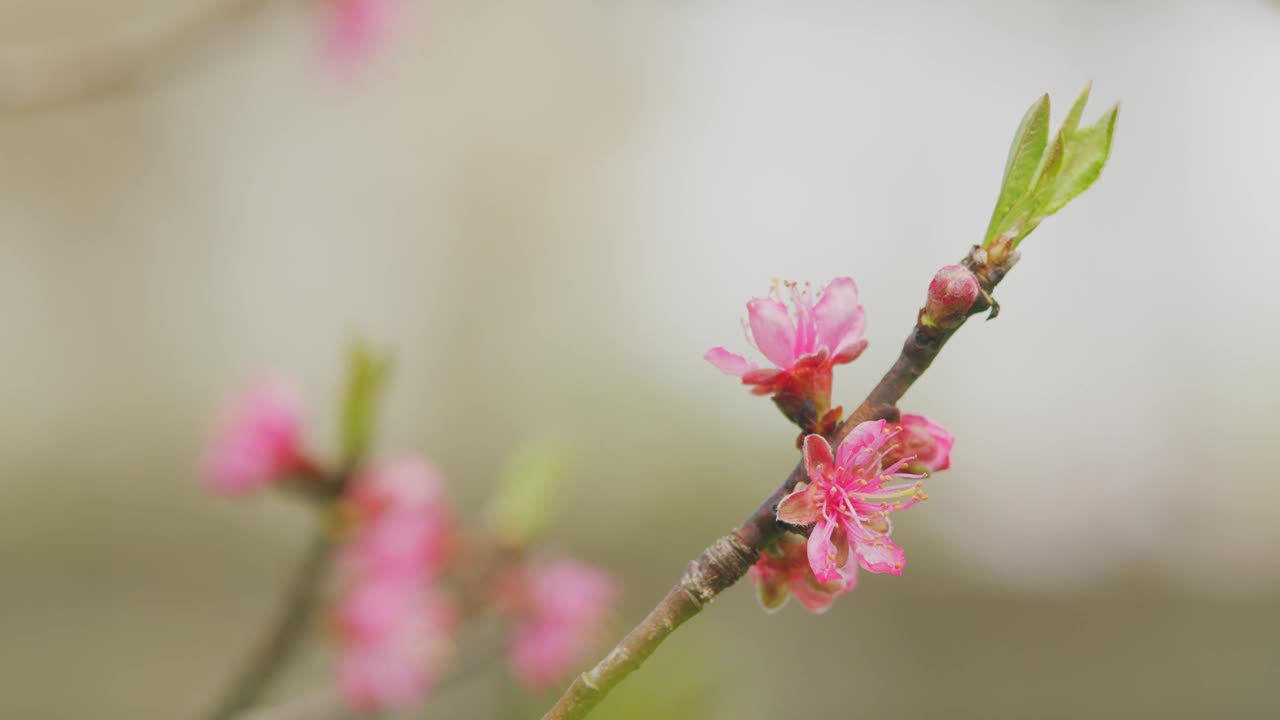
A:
{"x":953,"y":291}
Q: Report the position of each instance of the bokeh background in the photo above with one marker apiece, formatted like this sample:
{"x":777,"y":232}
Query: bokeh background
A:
{"x":549,"y":210}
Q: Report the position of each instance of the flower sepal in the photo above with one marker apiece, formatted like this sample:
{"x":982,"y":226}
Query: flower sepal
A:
{"x":783,"y":570}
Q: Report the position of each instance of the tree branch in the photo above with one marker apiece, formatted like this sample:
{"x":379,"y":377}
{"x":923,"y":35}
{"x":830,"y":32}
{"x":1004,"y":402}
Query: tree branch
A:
{"x":728,"y":559}
{"x":285,"y":634}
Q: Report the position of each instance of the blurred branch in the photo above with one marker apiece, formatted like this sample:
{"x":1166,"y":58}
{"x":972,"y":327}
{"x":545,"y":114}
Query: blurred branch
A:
{"x":285,"y":635}
{"x":728,"y":559}
{"x":123,"y":57}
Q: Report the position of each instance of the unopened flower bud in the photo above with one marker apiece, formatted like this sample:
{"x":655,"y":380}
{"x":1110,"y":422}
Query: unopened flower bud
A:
{"x":922,"y":444}
{"x":953,"y":291}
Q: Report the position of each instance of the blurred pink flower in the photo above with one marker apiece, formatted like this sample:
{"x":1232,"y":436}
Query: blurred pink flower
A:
{"x":394,"y":629}
{"x":560,"y":611}
{"x":848,"y":501}
{"x":784,"y":570}
{"x":257,"y":441}
{"x":395,"y":637}
{"x":403,"y":525}
{"x":356,"y":28}
{"x":401,"y":542}
{"x":925,"y":445}
{"x":804,"y":344}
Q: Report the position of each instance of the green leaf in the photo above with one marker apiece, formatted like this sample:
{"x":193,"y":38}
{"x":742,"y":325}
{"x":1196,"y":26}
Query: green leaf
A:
{"x":1063,"y":169}
{"x":1020,"y":168}
{"x":1072,"y":120}
{"x":1087,"y":153}
{"x":530,"y":485}
{"x":366,"y":376}
{"x":1047,"y":175}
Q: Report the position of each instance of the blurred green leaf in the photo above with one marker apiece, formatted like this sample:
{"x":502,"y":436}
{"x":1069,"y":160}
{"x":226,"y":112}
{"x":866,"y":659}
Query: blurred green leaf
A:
{"x":367,"y":373}
{"x":1024,"y":159}
{"x":528,"y":491}
{"x":1063,"y":170}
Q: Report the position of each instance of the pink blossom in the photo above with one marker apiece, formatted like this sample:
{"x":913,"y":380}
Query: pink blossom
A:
{"x":402,"y":542}
{"x":356,"y":27}
{"x":923,"y":443}
{"x":394,"y":629}
{"x":560,"y":610}
{"x":803,"y":343}
{"x":394,"y":639}
{"x":849,"y":498}
{"x":783,"y":570}
{"x":408,"y":484}
{"x":403,"y":525}
{"x":257,"y":441}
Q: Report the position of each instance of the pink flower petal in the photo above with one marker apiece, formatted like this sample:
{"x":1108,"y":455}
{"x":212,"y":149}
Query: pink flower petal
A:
{"x":408,"y":482}
{"x":799,"y":508}
{"x":357,"y":27}
{"x":813,"y":596}
{"x":817,"y":457}
{"x":865,"y":435}
{"x":569,"y":602}
{"x":395,"y":668}
{"x":371,"y":609}
{"x":773,"y":330}
{"x":928,"y":441}
{"x":401,"y":543}
{"x":784,"y":569}
{"x":823,"y":553}
{"x":393,"y":629}
{"x":849,"y":573}
{"x":807,"y":340}
{"x":258,"y":440}
{"x":880,"y":555}
{"x":838,"y":316}
{"x":729,"y":363}
{"x":849,"y":353}
{"x":816,"y":596}
{"x":374,"y":678}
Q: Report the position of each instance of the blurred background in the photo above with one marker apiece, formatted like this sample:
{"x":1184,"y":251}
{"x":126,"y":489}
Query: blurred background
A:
{"x":549,"y":211}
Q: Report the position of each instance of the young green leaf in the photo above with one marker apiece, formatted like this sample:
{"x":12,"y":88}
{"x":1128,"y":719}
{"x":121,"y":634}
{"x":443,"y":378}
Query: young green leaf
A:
{"x":1061,"y":171}
{"x":1046,"y":178}
{"x":1072,"y":120}
{"x":529,"y":486}
{"x":366,"y":376}
{"x":1024,"y":159}
{"x":1087,"y":153}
